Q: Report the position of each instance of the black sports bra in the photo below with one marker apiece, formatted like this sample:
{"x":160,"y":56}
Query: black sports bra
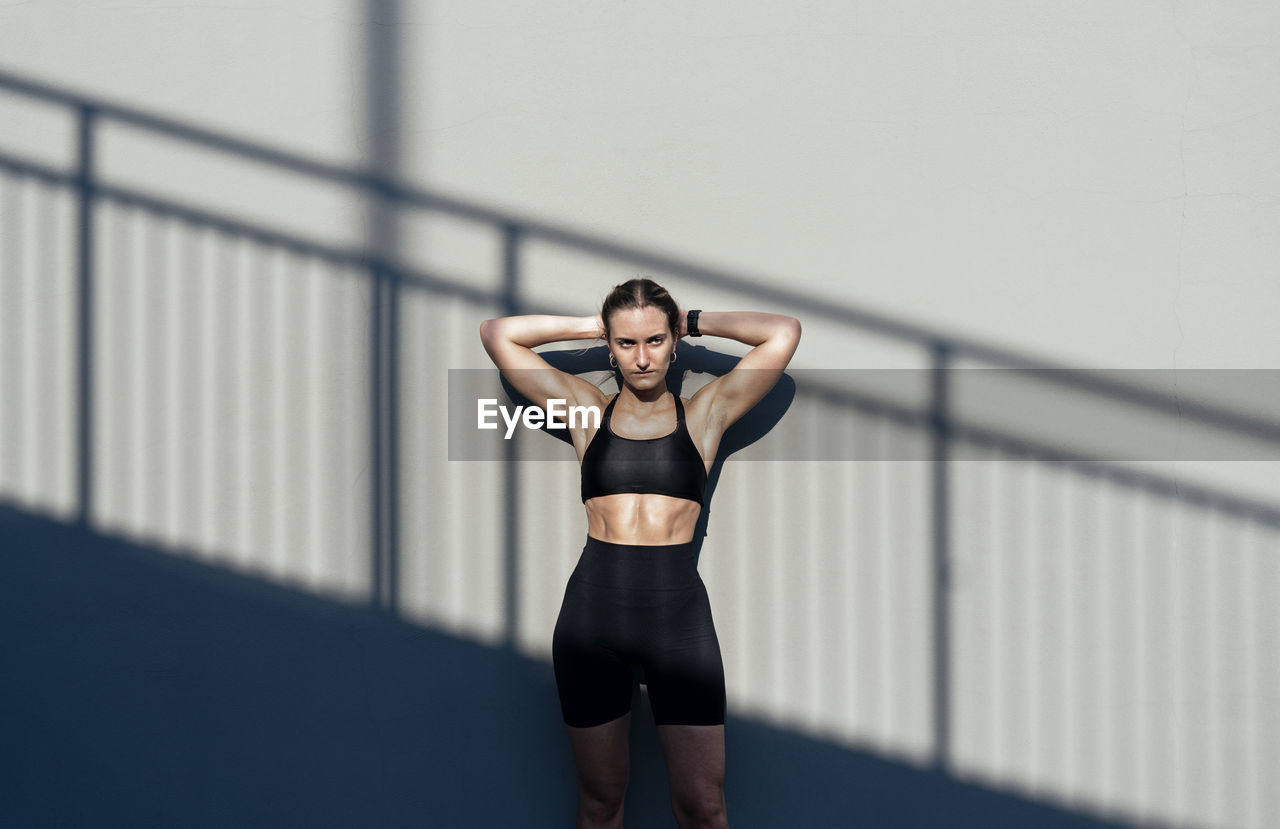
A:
{"x":667,"y":465}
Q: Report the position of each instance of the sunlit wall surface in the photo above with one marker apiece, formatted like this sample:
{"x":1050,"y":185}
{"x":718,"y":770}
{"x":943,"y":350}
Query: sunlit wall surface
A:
{"x":230,"y":414}
{"x":1107,"y":643}
{"x":37,"y":328}
{"x":1101,"y":641}
{"x":1112,"y":646}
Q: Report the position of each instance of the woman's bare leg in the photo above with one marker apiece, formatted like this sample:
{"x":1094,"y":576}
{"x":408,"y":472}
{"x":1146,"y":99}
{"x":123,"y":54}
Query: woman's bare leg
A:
{"x":695,"y":774}
{"x":604,"y":763}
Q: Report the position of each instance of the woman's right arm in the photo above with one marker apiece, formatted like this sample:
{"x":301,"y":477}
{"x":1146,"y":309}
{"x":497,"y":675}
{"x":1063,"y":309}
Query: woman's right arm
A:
{"x":510,"y":342}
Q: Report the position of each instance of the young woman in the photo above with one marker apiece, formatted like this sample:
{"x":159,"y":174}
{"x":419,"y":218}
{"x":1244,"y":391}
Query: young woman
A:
{"x":635,"y":596}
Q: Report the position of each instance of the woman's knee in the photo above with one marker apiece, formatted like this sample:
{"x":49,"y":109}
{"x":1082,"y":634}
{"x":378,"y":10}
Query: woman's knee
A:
{"x":699,"y":805}
{"x":601,"y":799}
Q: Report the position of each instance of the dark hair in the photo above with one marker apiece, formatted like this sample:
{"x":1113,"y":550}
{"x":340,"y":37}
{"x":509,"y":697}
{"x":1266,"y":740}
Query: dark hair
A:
{"x":641,"y":293}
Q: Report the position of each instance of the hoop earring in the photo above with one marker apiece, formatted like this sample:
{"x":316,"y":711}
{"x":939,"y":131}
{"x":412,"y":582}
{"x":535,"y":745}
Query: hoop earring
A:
{"x":612,"y":361}
{"x":673,"y":356}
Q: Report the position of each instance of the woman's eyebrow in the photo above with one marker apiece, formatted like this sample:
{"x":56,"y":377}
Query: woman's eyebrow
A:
{"x":623,"y":339}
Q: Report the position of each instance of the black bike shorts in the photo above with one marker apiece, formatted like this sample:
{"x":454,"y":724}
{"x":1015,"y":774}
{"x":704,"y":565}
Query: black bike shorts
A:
{"x":640,"y":605}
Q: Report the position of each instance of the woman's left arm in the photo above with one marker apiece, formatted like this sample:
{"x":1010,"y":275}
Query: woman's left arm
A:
{"x":774,"y":338}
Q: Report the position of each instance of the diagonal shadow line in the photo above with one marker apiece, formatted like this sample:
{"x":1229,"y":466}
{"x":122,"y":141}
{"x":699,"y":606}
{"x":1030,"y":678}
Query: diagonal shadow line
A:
{"x":600,"y":245}
{"x":1256,"y":509}
{"x":510,"y":300}
{"x":759,"y":288}
{"x":458,"y":286}
{"x":219,"y":699}
{"x":702,"y":360}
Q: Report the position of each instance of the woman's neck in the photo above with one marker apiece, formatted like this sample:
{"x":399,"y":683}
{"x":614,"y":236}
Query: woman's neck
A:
{"x":633,"y":399}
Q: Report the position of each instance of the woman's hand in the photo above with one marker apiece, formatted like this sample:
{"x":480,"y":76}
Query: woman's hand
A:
{"x":773,"y":339}
{"x":599,"y":321}
{"x":681,"y":318}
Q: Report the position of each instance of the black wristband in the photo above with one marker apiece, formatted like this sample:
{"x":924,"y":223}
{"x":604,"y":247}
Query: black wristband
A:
{"x":691,"y":324}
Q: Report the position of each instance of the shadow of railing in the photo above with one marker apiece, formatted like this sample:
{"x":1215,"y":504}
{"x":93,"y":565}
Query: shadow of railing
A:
{"x":386,"y":278}
{"x":145,"y":689}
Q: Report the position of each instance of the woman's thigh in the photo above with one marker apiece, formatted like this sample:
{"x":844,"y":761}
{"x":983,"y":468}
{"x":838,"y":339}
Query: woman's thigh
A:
{"x":601,"y":755}
{"x":695,"y":760}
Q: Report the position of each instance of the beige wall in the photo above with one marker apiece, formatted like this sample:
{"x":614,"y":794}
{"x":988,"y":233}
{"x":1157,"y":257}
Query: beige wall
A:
{"x":1094,"y":184}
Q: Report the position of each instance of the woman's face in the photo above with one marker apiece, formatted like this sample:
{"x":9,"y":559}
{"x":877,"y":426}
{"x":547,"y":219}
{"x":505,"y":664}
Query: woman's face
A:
{"x":642,"y":343}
